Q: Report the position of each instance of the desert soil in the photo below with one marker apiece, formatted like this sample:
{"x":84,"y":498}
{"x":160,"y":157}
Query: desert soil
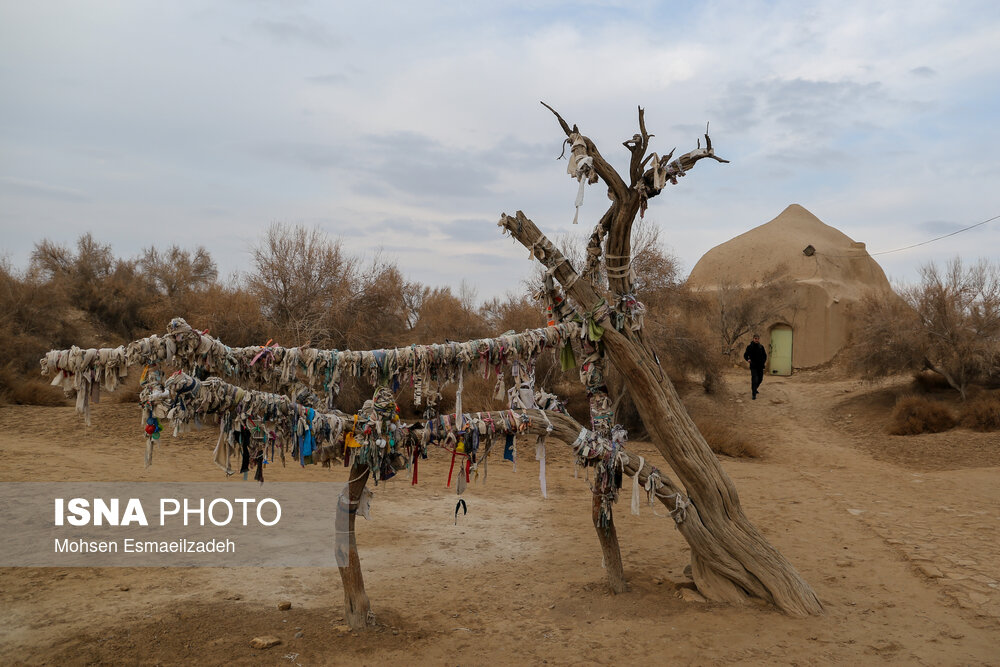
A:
{"x":897,"y":535}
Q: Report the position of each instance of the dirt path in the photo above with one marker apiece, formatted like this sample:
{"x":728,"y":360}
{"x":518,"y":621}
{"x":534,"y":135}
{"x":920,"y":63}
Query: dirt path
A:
{"x":904,"y":558}
{"x":944,"y":522}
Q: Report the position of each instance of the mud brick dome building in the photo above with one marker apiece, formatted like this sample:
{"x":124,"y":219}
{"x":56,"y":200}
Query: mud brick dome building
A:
{"x":828,"y":274}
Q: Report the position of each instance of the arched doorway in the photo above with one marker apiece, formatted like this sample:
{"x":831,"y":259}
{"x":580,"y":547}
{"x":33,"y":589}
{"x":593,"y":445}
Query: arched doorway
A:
{"x":780,"y":356}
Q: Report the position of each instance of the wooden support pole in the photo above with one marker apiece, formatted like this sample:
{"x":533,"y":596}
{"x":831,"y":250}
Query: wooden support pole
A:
{"x":602,"y":417}
{"x":357,"y":607}
{"x":608,"y":537}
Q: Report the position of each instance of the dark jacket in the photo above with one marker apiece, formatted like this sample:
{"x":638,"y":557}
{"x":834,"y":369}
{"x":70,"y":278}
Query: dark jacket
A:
{"x":756,"y":355}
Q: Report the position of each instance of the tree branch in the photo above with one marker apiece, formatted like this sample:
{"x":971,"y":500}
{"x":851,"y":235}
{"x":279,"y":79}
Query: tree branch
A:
{"x":604,"y":170}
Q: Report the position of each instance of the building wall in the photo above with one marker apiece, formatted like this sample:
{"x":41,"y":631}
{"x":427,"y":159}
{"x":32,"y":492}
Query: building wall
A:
{"x":820,"y":324}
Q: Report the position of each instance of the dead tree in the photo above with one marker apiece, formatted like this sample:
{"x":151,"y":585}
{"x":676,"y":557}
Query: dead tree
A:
{"x":730,"y":559}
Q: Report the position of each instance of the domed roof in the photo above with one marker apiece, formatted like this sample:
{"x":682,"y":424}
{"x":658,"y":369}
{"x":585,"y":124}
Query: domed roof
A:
{"x":795,"y":245}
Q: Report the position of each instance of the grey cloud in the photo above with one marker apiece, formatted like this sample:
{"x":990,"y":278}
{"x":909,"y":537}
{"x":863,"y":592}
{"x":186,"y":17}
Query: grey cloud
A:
{"x":17,"y":186}
{"x":300,"y":30}
{"x":311,"y":156}
{"x":412,"y":164}
{"x":923,"y":71}
{"x":938,"y":227}
{"x":738,"y":111}
{"x":685,"y":131}
{"x":486,"y":259}
{"x":798,"y":103}
{"x":328,"y":79}
{"x":818,"y":157}
{"x":402,"y":225}
{"x":471,"y":230}
{"x":512,"y":153}
{"x":401,"y":249}
{"x":417,"y":165}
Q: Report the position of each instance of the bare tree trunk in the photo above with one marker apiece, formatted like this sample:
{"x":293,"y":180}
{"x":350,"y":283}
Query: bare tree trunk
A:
{"x":601,"y":420}
{"x":357,"y":608}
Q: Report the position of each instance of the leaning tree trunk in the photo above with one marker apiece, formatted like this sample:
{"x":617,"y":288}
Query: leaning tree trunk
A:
{"x":730,"y":559}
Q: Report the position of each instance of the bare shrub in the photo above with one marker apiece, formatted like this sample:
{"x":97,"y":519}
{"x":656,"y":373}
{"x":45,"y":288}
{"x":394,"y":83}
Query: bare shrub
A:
{"x":300,"y":276}
{"x":20,"y":390}
{"x":444,"y":316}
{"x":514,"y":312}
{"x":959,"y":311}
{"x":33,"y":319}
{"x":917,"y":414}
{"x":229,"y":313}
{"x":378,"y":315}
{"x":886,"y":338}
{"x":725,"y":440}
{"x":735,"y":311}
{"x":176,"y":272}
{"x":982,"y":412}
{"x":950,"y":324}
{"x":110,"y":290}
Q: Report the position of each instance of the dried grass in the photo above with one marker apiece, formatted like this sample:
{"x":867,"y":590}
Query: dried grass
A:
{"x":30,"y":391}
{"x":982,"y":413}
{"x":724,"y":439}
{"x":918,"y":414}
{"x":128,"y":391}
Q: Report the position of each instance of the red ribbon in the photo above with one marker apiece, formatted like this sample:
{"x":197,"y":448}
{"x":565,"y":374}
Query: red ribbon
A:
{"x":450,"y":470}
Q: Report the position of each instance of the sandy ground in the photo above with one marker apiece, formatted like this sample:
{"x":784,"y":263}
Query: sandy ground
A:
{"x":897,"y":535}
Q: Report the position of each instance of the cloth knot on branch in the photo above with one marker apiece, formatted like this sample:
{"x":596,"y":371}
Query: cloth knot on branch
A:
{"x":580,"y":167}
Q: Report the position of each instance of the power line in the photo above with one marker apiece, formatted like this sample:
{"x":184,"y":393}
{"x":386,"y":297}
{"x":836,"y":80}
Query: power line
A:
{"x":915,"y":245}
{"x":965,"y":229}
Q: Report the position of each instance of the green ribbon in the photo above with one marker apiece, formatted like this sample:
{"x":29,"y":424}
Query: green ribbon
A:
{"x":567,"y":359}
{"x":594,"y":330}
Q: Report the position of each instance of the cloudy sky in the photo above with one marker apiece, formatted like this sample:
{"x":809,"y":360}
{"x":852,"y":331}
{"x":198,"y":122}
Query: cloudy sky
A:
{"x":410,"y":126}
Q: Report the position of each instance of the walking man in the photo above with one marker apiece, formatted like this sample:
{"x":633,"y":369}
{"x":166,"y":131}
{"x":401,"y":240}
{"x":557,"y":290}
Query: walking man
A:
{"x":757,"y":356}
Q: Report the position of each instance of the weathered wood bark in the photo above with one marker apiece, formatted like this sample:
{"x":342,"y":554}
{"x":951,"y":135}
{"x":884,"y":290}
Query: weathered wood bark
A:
{"x":601,"y":421}
{"x":730,"y":559}
{"x":357,"y":607}
{"x":608,"y":537}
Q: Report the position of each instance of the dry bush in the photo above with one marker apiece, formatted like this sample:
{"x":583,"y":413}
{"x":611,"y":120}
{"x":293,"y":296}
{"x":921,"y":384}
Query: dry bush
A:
{"x":128,"y":390}
{"x":230,"y":313}
{"x":725,"y":440}
{"x":982,"y":412}
{"x":681,"y":340}
{"x":300,"y":278}
{"x":574,"y":397}
{"x":917,"y":414}
{"x":949,"y":324}
{"x":444,"y":316}
{"x":515,"y":312}
{"x":113,"y":292}
{"x":176,"y":272}
{"x":33,"y":320}
{"x":20,"y":390}
{"x":959,"y":310}
{"x":379,"y":314}
{"x":886,"y":338}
